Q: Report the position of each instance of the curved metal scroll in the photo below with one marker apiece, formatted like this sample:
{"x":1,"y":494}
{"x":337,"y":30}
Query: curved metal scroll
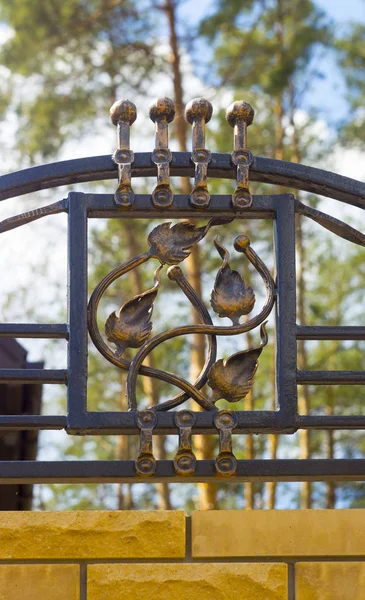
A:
{"x":132,"y":326}
{"x":242,"y":244}
{"x":176,"y":253}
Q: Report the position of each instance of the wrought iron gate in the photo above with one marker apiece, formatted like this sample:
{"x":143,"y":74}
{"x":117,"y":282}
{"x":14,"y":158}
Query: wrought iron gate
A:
{"x":231,"y":297}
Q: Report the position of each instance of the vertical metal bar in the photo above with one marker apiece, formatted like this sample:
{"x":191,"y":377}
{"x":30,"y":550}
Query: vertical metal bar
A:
{"x":77,"y":310}
{"x":286,"y":345}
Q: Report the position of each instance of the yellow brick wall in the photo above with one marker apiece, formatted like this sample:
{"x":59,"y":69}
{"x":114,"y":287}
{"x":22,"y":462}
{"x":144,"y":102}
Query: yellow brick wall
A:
{"x":215,"y":555}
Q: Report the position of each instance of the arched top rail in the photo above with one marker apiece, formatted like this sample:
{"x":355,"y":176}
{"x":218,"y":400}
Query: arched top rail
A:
{"x":266,"y":170}
{"x":128,"y":336}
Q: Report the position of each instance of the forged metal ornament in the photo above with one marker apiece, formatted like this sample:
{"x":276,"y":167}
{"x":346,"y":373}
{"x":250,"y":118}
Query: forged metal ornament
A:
{"x":198,"y":112}
{"x":123,"y":114}
{"x":162,"y":112}
{"x":230,"y":297}
{"x":240,"y":115}
{"x":132,"y":326}
{"x":172,"y":245}
{"x":232,"y":379}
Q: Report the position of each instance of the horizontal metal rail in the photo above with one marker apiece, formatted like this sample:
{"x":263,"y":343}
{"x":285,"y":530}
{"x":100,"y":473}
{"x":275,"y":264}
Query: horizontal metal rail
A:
{"x":124,"y":471}
{"x":32,"y":422}
{"x":33,"y":375}
{"x":265,"y":170}
{"x":103,"y":206}
{"x":25,"y":330}
{"x":125,"y":423}
{"x":342,"y":332}
{"x":330,"y":377}
{"x":334,"y":422}
{"x":79,"y":421}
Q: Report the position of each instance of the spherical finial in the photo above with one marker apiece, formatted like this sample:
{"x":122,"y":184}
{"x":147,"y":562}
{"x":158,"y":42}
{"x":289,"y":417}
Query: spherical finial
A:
{"x":123,"y":110}
{"x":198,"y":108}
{"x":162,"y":109}
{"x":240,"y":110}
{"x":174,"y":273}
{"x":241,"y":243}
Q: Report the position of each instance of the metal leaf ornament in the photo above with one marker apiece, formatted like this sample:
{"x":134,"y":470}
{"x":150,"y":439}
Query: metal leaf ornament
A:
{"x":132,"y":326}
{"x":230,"y":296}
{"x":171,"y":245}
{"x":232,"y":379}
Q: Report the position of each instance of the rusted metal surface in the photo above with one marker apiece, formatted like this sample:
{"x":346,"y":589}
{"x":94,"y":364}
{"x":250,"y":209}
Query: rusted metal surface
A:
{"x":131,"y":325}
{"x":146,"y":462}
{"x":198,"y":112}
{"x":226,"y":462}
{"x":240,"y":116}
{"x":162,"y":112}
{"x":232,"y":378}
{"x":185,"y":460}
{"x":123,"y":114}
{"x":264,"y":170}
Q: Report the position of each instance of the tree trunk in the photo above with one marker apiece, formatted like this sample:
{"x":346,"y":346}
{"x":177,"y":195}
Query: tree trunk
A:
{"x":274,"y":440}
{"x":279,"y":129}
{"x":303,"y":391}
{"x":250,"y":455}
{"x":278,"y":107}
{"x":331,"y":486}
{"x":124,"y":492}
{"x":249,"y":490}
{"x":330,"y":435}
{"x":271,"y":485}
{"x":150,"y":385}
{"x":203,"y":444}
{"x":279,"y":155}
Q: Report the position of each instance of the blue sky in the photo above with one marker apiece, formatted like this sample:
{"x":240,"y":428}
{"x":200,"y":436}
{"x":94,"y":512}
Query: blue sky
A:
{"x":341,"y":11}
{"x":344,"y":11}
{"x":327,"y":95}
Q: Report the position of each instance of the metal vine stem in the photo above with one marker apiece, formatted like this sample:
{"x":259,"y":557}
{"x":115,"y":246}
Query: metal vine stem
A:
{"x":206,"y":328}
{"x":189,"y":390}
{"x":241,"y":245}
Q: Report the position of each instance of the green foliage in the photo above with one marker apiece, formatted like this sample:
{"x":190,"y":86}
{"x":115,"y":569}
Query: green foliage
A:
{"x":74,"y":58}
{"x":264,"y":45}
{"x":351,"y":49}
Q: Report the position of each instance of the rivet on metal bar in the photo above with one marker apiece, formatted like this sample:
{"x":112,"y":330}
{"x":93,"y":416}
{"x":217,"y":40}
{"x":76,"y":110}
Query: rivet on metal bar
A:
{"x":185,"y":460}
{"x":240,"y":115}
{"x":123,"y":114}
{"x":162,"y":112}
{"x":226,"y":462}
{"x":198,"y":112}
{"x":146,"y":462}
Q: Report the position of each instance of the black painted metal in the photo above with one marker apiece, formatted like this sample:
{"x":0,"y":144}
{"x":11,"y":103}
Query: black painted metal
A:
{"x":25,"y":330}
{"x":286,"y":351}
{"x":33,"y":375}
{"x":77,"y":310}
{"x":103,"y":205}
{"x":125,"y":423}
{"x":124,"y":471}
{"x":330,"y":333}
{"x":280,"y":209}
{"x":266,"y":170}
{"x":331,"y":377}
{"x":29,"y":422}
